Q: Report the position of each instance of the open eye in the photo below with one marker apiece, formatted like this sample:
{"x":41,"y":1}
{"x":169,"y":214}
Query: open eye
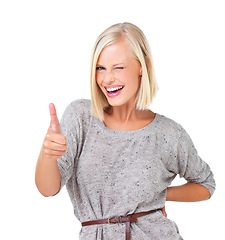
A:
{"x":100,"y":68}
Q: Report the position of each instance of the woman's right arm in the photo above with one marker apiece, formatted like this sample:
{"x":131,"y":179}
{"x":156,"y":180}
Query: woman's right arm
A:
{"x":47,"y":175}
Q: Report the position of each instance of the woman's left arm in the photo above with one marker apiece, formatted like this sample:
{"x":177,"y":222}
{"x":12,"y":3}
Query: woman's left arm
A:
{"x":189,"y":192}
{"x":188,"y":164}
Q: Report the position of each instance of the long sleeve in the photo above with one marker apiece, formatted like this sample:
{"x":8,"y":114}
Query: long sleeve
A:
{"x":189,"y":164}
{"x":71,"y":129}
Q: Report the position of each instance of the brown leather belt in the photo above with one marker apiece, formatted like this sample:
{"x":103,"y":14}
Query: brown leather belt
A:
{"x":127,"y":219}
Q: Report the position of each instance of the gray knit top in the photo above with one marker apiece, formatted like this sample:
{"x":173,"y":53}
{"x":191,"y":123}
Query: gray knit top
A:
{"x":112,"y":173}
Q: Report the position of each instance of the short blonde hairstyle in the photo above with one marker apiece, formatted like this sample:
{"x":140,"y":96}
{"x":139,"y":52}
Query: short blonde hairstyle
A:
{"x":141,"y":50}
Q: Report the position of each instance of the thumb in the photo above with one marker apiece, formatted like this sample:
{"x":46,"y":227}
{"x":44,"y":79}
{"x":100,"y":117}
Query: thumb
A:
{"x":164,"y":211}
{"x":54,"y":124}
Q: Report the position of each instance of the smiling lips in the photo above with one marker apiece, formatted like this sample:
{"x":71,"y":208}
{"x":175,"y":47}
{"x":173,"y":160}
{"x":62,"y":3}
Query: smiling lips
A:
{"x":113,"y":91}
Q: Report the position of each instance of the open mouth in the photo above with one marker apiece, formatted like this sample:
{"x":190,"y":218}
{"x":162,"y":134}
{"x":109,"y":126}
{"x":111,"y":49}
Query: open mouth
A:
{"x":114,"y":91}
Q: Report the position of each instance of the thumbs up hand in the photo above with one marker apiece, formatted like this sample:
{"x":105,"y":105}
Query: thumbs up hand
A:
{"x":54,"y":145}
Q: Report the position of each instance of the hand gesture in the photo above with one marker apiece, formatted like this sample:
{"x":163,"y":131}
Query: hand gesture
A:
{"x":54,"y":145}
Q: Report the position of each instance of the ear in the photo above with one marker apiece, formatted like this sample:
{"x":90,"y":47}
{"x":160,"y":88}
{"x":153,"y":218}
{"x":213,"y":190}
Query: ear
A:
{"x":140,"y":73}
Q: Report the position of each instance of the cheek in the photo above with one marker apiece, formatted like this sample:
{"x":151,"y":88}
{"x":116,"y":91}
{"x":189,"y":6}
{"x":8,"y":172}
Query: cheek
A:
{"x":98,"y":79}
{"x":122,"y":76}
{"x":129,"y":77}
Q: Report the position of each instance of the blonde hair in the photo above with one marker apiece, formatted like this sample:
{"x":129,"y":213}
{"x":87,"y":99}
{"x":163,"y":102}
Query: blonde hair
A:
{"x":141,"y":50}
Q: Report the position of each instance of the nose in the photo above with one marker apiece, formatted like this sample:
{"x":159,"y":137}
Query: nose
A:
{"x":109,"y":77}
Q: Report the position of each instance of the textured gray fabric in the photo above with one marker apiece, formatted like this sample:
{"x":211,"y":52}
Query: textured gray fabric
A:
{"x":114,"y":173}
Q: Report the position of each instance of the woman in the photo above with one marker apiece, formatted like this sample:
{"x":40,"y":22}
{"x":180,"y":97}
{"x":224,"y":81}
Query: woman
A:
{"x":117,"y":157}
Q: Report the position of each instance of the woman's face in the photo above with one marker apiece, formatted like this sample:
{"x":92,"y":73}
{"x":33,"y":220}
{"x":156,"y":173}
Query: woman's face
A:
{"x":118,"y":74}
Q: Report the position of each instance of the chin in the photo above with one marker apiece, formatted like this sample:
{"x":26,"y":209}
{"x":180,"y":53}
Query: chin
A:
{"x":116,"y":102}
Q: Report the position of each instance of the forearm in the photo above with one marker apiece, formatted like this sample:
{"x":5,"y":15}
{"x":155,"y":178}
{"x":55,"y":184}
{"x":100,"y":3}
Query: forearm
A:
{"x":189,"y":192}
{"x":47,"y":176}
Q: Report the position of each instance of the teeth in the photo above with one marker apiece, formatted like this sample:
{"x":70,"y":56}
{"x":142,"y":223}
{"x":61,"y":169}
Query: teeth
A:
{"x":113,"y":89}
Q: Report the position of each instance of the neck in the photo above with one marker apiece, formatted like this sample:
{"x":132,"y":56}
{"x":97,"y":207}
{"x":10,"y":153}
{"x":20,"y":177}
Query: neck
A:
{"x":124,"y":113}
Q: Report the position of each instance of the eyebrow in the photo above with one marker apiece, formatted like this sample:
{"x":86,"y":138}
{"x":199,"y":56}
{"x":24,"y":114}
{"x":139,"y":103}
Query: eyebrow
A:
{"x":114,"y":65}
{"x":117,"y":64}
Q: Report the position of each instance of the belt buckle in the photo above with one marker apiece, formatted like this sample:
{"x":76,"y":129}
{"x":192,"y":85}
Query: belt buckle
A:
{"x":119,"y":220}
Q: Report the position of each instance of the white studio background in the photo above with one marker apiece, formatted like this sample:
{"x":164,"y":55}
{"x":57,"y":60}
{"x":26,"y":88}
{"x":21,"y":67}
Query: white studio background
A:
{"x":45,"y":52}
